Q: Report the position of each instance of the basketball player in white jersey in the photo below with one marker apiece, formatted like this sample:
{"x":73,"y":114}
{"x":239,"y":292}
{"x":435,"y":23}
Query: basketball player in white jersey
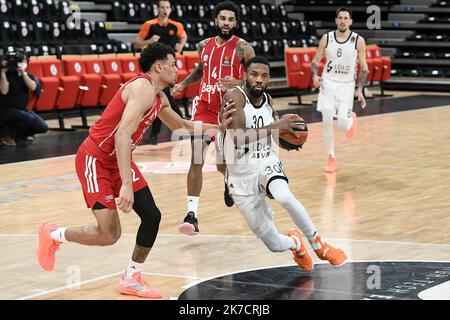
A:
{"x":254,"y":169}
{"x":341,"y":48}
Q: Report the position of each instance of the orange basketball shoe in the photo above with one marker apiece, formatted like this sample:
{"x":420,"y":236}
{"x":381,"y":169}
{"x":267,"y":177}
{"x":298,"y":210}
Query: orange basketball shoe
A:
{"x":301,"y":256}
{"x":334,"y":256}
{"x":350,"y":133}
{"x":136,"y":286}
{"x":331,"y":165}
{"x":47,"y":246}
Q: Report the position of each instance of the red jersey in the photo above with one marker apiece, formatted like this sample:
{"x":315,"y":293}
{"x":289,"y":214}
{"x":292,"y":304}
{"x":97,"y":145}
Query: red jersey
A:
{"x":218,"y":62}
{"x":103,"y":131}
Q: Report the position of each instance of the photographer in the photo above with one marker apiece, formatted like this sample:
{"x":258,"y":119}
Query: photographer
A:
{"x":17,"y":123}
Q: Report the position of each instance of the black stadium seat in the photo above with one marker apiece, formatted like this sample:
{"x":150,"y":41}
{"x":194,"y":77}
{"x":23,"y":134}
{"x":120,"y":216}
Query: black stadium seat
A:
{"x":40,"y":32}
{"x":5,"y":10}
{"x":19,"y":10}
{"x":49,"y":10}
{"x":6,"y":32}
{"x":35,"y":9}
{"x":145,"y":10}
{"x":23,"y":33}
{"x":56,"y":32}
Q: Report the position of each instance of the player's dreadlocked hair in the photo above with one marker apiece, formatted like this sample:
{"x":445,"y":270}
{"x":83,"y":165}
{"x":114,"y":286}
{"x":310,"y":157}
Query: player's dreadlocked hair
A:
{"x":153,"y":52}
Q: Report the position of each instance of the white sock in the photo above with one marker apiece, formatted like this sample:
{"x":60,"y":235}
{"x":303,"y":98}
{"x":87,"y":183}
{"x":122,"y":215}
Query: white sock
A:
{"x":192,"y":203}
{"x":133,"y":267}
{"x":59,"y":235}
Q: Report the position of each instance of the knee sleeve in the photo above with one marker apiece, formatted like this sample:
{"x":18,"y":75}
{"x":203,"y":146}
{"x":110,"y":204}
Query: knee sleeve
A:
{"x":276,"y":242}
{"x":344,"y":124}
{"x":144,"y":205}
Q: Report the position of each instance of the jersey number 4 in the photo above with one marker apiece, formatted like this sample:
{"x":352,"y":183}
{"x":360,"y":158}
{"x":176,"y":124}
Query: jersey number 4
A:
{"x":213,"y":73}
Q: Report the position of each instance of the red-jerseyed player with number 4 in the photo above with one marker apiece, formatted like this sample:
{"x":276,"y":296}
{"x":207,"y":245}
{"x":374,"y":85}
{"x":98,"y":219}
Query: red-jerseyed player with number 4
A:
{"x":109,"y":177}
{"x":220,"y":68}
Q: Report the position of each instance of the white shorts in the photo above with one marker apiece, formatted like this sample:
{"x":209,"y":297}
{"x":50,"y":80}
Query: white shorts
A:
{"x":336,"y":97}
{"x":249,"y":192}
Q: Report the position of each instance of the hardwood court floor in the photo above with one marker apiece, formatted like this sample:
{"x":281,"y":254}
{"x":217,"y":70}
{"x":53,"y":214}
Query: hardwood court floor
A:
{"x":388,"y":201}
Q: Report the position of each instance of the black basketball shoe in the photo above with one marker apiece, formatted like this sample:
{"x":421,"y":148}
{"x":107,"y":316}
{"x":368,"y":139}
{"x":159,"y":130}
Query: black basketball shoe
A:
{"x":189,"y":225}
{"x":229,"y":202}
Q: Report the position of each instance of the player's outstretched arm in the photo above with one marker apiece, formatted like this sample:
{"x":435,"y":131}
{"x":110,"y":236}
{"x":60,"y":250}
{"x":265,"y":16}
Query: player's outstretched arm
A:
{"x":361,"y":47}
{"x":195,"y":76}
{"x":172,"y":120}
{"x":138,"y":96}
{"x":320,"y":53}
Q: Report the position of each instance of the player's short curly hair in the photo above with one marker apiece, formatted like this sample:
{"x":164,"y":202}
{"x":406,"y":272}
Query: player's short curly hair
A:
{"x":227,"y":5}
{"x":153,"y":52}
{"x":257,"y":59}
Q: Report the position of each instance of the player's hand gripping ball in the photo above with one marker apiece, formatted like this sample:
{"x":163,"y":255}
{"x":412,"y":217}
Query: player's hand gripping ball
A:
{"x":288,"y":141}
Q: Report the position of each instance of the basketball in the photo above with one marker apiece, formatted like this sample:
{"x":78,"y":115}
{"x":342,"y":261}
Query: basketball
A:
{"x":288,"y":141}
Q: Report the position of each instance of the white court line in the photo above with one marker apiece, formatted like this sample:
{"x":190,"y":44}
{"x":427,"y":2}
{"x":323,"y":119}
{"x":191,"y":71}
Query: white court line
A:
{"x":45,"y":292}
{"x":33,"y":161}
{"x":5,"y":235}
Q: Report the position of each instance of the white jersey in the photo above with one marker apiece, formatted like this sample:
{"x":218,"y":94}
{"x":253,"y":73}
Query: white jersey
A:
{"x":341,"y":58}
{"x":247,"y":159}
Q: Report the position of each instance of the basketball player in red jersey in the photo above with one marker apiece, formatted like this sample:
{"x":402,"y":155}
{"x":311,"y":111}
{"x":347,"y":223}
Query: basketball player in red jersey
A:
{"x":109,"y":177}
{"x":220,"y":68}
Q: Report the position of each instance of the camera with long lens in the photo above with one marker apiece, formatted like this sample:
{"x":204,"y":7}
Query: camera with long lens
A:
{"x":12,"y":59}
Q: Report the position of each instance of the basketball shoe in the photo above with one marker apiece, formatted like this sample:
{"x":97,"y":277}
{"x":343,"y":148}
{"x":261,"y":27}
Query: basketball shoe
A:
{"x":136,"y":286}
{"x":189,"y":225}
{"x":229,"y":202}
{"x":324,"y":251}
{"x":301,"y":255}
{"x":350,"y":133}
{"x":331,"y":165}
{"x":47,"y":246}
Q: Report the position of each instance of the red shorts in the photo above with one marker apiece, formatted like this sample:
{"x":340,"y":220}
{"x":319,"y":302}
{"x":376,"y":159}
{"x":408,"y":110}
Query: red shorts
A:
{"x":201,"y":112}
{"x":99,"y":176}
{"x":204,"y":113}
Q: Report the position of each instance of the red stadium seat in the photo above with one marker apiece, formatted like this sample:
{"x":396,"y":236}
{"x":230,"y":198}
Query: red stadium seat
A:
{"x":182,"y":73}
{"x":294,"y":69}
{"x":68,"y":85}
{"x":113,"y":65}
{"x":89,"y":83}
{"x":110,"y":82}
{"x":387,"y":64}
{"x":49,"y":88}
{"x":306,"y":58}
{"x":377,"y":62}
{"x":130,"y":64}
{"x":192,"y":60}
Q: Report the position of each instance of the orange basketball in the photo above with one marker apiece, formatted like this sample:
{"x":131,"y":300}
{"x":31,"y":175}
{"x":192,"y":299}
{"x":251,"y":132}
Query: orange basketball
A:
{"x":290,"y":142}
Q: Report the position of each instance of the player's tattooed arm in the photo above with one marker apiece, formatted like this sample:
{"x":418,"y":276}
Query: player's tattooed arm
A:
{"x":245,"y":51}
{"x":197,"y":74}
{"x":314,"y":68}
{"x":362,"y":79}
{"x":361,"y":48}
